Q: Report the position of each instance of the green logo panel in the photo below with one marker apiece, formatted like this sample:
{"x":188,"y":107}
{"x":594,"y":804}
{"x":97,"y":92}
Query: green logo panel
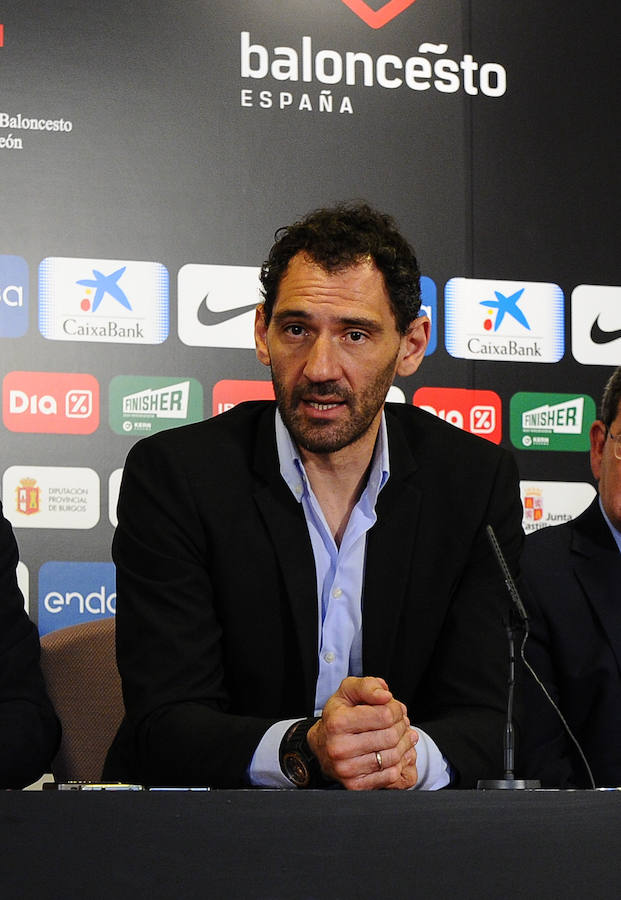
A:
{"x":551,"y":421}
{"x":144,"y":404}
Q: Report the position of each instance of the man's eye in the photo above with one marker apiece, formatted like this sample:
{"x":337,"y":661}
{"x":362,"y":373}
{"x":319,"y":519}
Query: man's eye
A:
{"x":295,"y":330}
{"x":356,"y":336}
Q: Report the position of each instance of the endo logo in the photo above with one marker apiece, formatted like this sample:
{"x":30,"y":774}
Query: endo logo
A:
{"x":74,"y":592}
{"x":377,"y":18}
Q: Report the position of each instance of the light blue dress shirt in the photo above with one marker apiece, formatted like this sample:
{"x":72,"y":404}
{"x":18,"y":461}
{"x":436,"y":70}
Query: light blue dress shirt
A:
{"x":340,"y":574}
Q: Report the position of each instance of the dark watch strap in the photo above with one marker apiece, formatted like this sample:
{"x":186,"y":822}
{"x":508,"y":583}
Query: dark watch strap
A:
{"x":297,"y":761}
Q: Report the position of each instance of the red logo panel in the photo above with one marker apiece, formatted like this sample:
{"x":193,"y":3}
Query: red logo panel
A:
{"x":50,"y":402}
{"x":377,"y":18}
{"x":227,"y":394}
{"x":479,"y":412}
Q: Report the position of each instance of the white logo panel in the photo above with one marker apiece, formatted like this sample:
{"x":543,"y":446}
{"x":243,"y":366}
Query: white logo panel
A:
{"x":217,"y":305}
{"x":596,"y":324}
{"x":114,"y":487}
{"x":51,"y":497}
{"x":103,"y":300}
{"x":553,"y":502}
{"x":517,"y":321}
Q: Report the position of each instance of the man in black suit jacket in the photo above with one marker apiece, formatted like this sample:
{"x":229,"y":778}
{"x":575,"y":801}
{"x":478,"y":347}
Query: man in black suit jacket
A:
{"x":219,"y":634}
{"x":29,"y":729}
{"x":573,"y":581}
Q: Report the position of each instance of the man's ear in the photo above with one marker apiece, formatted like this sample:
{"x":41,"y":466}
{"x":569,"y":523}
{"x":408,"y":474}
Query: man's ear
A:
{"x":413,"y":345}
{"x":260,"y":336}
{"x":597,"y":436}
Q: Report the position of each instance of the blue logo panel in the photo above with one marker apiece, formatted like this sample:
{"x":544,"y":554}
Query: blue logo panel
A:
{"x":13,"y":296}
{"x":74,"y":592}
{"x":429,"y":306}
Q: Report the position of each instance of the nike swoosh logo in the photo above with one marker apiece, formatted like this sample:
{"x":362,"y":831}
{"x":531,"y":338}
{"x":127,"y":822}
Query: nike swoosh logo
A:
{"x":598,"y":336}
{"x":211,"y":317}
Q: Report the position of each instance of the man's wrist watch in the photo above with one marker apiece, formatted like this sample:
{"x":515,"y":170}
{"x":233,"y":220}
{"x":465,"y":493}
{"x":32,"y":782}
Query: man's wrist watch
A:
{"x":297,"y":760}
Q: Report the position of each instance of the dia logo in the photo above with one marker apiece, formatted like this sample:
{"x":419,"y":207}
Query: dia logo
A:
{"x":377,"y":18}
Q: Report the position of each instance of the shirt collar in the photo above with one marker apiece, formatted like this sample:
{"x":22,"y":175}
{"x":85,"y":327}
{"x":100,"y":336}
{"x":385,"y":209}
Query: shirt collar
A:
{"x":292,"y":468}
{"x":614,"y":531}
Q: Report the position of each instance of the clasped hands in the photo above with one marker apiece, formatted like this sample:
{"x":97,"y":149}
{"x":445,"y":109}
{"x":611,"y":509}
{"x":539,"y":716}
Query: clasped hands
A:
{"x":364,"y":739}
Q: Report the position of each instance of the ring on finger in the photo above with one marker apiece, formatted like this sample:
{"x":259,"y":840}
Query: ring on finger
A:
{"x":378,"y":757}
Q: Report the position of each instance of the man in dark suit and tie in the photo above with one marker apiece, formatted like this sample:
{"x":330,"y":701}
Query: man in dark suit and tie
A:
{"x":573,"y":594}
{"x":306,"y":594}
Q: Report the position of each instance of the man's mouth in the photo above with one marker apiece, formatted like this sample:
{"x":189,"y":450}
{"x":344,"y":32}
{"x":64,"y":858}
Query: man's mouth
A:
{"x":323,"y":406}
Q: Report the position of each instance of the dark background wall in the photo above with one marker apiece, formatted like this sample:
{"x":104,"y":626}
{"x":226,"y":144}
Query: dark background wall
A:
{"x":175,"y":157}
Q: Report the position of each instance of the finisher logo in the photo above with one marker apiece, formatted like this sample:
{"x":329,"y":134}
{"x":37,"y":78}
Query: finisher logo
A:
{"x":74,"y":592}
{"x":217,"y":305}
{"x":143,"y":404}
{"x":551,"y":421}
{"x":13,"y":296}
{"x":108,"y":301}
{"x":50,"y":402}
{"x":479,"y":412}
{"x":504,"y":320}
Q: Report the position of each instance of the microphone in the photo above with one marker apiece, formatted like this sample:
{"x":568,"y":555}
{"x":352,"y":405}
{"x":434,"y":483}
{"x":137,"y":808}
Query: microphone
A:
{"x":509,"y":782}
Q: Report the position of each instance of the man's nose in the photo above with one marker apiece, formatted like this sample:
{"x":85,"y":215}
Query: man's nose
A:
{"x":322,"y":363}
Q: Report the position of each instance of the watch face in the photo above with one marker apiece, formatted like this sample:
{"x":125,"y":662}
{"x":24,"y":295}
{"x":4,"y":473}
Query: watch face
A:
{"x":296,"y":770}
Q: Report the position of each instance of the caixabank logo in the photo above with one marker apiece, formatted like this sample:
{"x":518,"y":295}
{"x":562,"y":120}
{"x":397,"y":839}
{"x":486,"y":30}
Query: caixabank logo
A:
{"x":143,"y":404}
{"x":508,"y":321}
{"x":596,"y":324}
{"x":13,"y":296}
{"x":50,"y":402}
{"x":51,"y":497}
{"x":74,"y":592}
{"x":551,"y":421}
{"x":479,"y":412}
{"x":110,"y":301}
{"x":217,"y":305}
{"x":553,"y":502}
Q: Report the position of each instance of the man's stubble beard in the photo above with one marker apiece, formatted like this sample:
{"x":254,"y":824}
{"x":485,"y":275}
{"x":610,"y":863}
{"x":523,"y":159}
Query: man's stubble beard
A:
{"x":328,"y":437}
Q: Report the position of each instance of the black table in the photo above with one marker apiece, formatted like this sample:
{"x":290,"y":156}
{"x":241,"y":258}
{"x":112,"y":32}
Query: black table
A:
{"x":332,"y":844}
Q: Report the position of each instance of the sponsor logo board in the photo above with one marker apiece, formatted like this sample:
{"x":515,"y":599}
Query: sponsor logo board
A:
{"x":114,"y":487}
{"x":596,"y":324}
{"x":508,"y":321}
{"x":217,"y":305}
{"x":13,"y":296}
{"x":429,"y":308}
{"x":51,"y":497}
{"x":228,"y":393}
{"x":74,"y":592}
{"x":23,"y":583}
{"x":553,"y":502}
{"x":479,"y":412}
{"x":50,"y":402}
{"x":109,"y":301}
{"x":143,"y":404}
{"x":551,"y":421}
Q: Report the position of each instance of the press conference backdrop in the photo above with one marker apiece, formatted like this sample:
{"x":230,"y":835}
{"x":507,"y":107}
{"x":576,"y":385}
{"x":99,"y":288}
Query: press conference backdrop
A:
{"x":149,"y":151}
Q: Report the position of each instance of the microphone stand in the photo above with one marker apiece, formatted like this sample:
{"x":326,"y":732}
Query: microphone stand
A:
{"x":509,"y":782}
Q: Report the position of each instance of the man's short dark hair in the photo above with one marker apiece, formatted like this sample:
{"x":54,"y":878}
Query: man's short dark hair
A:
{"x":340,"y":237}
{"x":611,"y":398}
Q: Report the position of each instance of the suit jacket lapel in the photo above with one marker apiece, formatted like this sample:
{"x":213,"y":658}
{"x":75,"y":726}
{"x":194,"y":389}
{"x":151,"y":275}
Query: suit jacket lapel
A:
{"x":598,"y":569}
{"x":390,"y":555}
{"x":284,"y":520}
